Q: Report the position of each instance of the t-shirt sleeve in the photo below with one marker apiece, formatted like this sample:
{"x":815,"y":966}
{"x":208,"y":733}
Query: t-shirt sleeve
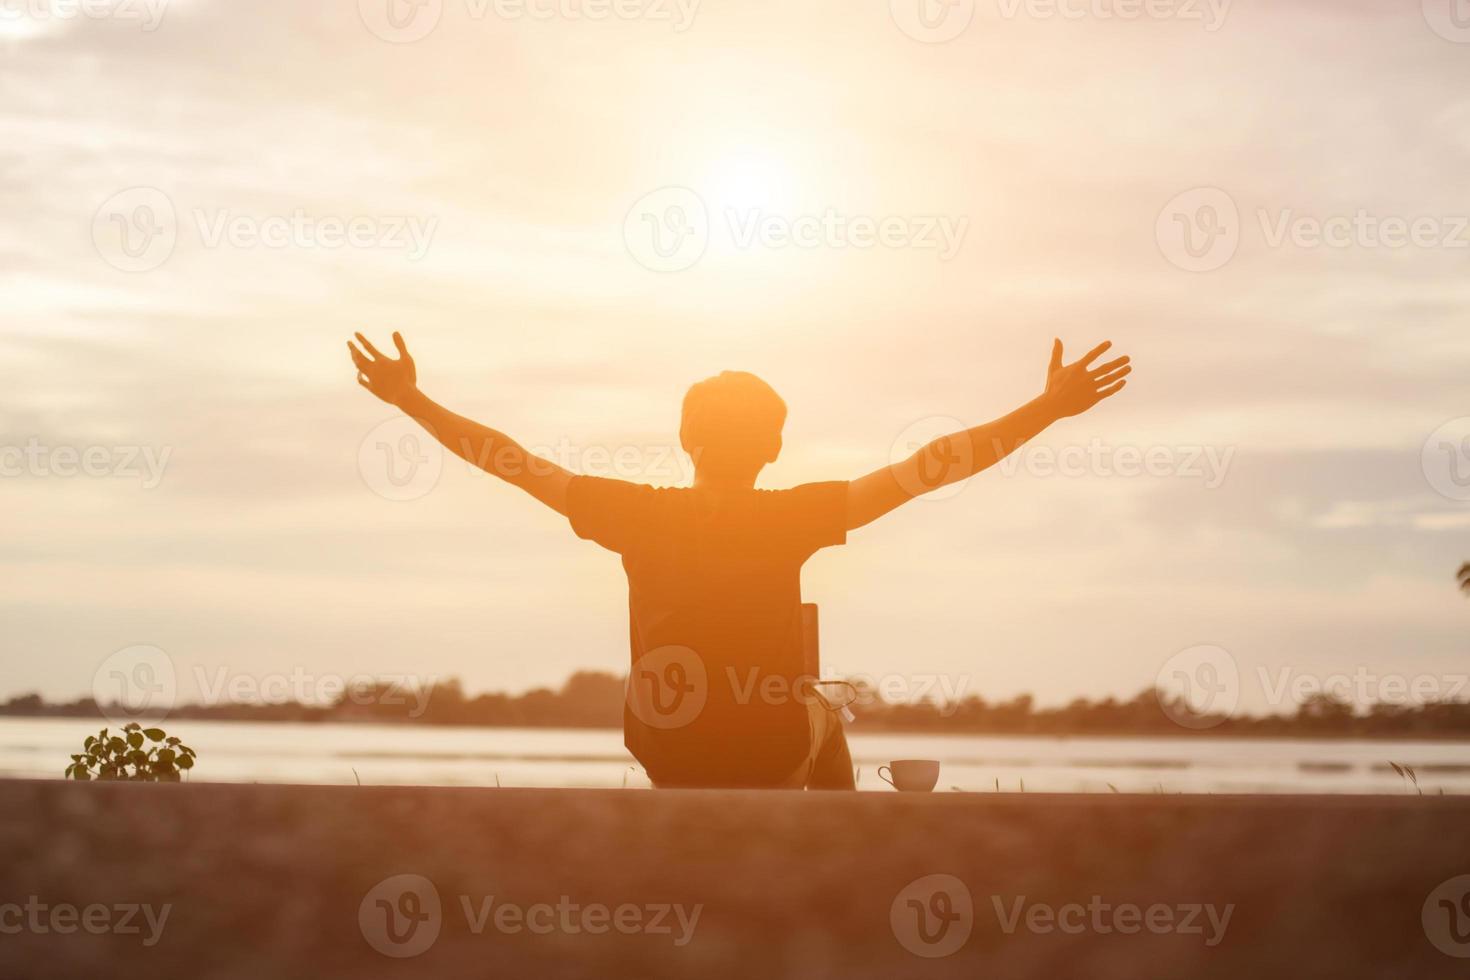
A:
{"x":614,"y":513}
{"x":813,"y":515}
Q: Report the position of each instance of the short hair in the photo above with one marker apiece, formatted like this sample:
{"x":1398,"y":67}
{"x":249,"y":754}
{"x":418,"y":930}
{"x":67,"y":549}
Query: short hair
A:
{"x":735,"y":416}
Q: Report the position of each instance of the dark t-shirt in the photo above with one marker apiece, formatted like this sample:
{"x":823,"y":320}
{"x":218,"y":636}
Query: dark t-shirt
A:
{"x":714,"y":608}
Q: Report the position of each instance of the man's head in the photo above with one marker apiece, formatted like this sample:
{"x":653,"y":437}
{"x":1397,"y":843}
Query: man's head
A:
{"x":732,"y":425}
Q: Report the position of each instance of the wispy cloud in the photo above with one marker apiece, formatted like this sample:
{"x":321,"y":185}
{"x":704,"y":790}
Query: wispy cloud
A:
{"x":523,"y":144}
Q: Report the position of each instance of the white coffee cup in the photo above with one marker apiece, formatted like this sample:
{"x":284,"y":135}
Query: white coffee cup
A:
{"x":911,"y":775}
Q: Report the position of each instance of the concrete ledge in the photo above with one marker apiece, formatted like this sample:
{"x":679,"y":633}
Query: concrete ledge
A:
{"x":268,"y":881}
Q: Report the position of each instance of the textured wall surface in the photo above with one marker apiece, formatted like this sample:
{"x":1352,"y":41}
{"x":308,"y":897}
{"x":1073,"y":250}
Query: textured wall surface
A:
{"x":295,"y":881}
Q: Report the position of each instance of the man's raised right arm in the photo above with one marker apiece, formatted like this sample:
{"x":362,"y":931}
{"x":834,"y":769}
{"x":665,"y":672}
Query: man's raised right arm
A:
{"x":395,"y":381}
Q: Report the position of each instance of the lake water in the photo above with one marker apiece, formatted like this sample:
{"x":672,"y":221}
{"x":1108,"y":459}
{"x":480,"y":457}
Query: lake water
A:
{"x":407,"y":755}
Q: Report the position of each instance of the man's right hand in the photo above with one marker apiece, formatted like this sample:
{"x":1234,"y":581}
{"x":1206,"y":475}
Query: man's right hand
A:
{"x":395,"y":380}
{"x":1072,"y":389}
{"x":392,"y":379}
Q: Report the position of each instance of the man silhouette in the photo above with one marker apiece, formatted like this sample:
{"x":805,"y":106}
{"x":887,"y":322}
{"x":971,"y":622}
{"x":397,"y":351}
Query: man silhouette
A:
{"x":716,"y":693}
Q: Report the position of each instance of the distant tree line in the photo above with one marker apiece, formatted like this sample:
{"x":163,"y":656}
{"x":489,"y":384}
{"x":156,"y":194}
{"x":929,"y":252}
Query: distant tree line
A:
{"x":592,"y":699}
{"x":588,"y":699}
{"x":1320,"y":715}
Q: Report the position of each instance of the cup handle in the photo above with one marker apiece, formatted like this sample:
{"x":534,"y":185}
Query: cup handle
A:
{"x":886,"y":779}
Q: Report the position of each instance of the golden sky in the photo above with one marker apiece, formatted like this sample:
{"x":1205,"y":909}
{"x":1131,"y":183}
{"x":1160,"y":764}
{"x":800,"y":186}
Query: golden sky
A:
{"x":487,"y":177}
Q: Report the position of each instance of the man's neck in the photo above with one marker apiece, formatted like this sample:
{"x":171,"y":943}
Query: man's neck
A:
{"x":721,"y":482}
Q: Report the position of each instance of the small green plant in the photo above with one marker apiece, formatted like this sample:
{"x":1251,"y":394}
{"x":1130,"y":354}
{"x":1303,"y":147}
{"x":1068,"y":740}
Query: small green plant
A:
{"x":125,"y":757}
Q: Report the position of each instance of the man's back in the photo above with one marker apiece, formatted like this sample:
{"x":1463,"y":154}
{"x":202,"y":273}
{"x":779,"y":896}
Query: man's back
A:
{"x":714,"y":603}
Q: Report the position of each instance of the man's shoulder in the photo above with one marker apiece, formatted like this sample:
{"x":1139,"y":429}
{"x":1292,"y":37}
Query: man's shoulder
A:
{"x":809,"y":487}
{"x":812,"y":493}
{"x":612,"y":484}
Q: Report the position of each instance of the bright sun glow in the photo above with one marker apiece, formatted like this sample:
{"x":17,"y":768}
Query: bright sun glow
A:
{"x":750,"y":180}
